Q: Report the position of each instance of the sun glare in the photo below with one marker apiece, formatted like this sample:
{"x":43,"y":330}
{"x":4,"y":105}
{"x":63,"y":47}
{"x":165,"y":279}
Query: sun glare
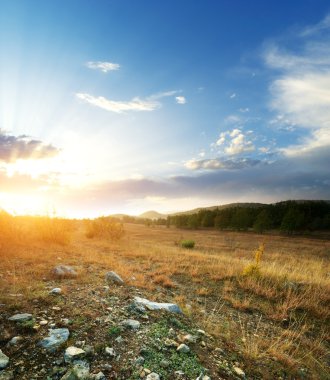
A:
{"x":23,"y":204}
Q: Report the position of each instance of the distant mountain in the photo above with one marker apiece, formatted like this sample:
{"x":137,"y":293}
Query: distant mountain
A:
{"x":152,"y":215}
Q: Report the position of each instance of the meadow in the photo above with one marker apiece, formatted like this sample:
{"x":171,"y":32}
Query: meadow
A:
{"x":263,"y":298}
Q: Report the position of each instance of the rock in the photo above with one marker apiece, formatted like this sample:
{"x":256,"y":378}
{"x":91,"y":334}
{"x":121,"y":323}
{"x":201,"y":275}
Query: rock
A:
{"x":239,"y":371}
{"x":165,"y":363}
{"x":43,"y":322}
{"x":170,"y":343}
{"x":153,"y":376}
{"x":201,"y":332}
{"x":15,"y":340}
{"x":119,"y":339}
{"x":110,"y":351}
{"x":190,"y":338}
{"x":4,"y":375}
{"x":89,"y":350}
{"x":183,"y":349}
{"x":80,"y":371}
{"x":131,"y":324}
{"x":172,"y":307}
{"x":56,"y":291}
{"x":73,"y":353}
{"x":139,"y":361}
{"x":99,"y":376}
{"x":55,"y":338}
{"x":62,"y":271}
{"x":203,"y":377}
{"x":4,"y":360}
{"x":21,"y":317}
{"x":114,"y":277}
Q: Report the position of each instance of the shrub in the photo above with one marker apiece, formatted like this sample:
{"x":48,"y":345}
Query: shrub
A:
{"x":104,"y":227}
{"x":253,"y":269}
{"x":189,"y":244}
{"x":53,"y":230}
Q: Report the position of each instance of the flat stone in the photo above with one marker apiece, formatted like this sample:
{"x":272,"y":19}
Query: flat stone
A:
{"x":190,"y":338}
{"x":64,"y":271}
{"x":114,"y":277}
{"x":110,"y":351}
{"x":239,"y":371}
{"x":21,"y":317}
{"x":73,"y":353}
{"x":4,"y":360}
{"x":153,"y":376}
{"x":55,"y":338}
{"x":172,"y":307}
{"x":183,"y":349}
{"x":56,"y":291}
{"x":131,"y":324}
{"x":15,"y":340}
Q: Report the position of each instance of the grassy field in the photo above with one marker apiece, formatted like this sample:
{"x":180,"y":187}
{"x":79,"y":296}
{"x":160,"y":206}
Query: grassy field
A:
{"x":272,"y":314}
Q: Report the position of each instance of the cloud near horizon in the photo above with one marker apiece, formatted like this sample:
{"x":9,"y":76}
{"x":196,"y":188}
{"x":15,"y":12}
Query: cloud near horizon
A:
{"x":13,"y":148}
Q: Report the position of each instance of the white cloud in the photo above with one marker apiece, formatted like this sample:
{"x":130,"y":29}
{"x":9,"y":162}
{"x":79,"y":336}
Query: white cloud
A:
{"x":180,"y":99}
{"x":136,"y":104}
{"x":150,"y":103}
{"x":103,"y":66}
{"x":233,"y":95}
{"x":301,"y":93}
{"x":234,"y":142}
{"x":244,"y":110}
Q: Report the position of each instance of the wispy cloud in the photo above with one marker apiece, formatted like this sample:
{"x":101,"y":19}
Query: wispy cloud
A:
{"x":218,"y":164}
{"x":135,"y":104}
{"x":233,"y":95}
{"x":150,"y":103}
{"x":103,"y":66}
{"x":13,"y":148}
{"x":181,"y":99}
{"x":301,"y":93}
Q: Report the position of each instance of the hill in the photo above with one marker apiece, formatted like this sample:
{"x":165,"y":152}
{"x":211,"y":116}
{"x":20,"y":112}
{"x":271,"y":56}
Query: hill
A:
{"x":152,"y":215}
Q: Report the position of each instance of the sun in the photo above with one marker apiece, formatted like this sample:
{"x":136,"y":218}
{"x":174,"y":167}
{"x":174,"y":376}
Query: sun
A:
{"x":23,"y":204}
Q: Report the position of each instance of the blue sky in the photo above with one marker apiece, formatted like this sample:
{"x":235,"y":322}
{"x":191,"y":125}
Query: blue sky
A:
{"x":124,"y":106}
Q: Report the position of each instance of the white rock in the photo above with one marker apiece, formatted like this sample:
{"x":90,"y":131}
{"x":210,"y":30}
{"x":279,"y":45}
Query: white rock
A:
{"x":56,"y":291}
{"x":239,"y":371}
{"x":183,"y":348}
{"x":110,"y":351}
{"x":4,"y":360}
{"x":131,"y":324}
{"x":172,"y":307}
{"x":153,"y":376}
{"x":72,"y":353}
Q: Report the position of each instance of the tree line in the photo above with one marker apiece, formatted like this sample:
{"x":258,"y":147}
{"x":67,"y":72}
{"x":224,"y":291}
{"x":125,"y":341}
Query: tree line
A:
{"x":288,"y":217}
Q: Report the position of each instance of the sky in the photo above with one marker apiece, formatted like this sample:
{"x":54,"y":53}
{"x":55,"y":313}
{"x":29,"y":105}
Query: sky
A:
{"x":125,"y":106}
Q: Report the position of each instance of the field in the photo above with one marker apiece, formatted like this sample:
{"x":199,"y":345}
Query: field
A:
{"x":267,"y":316}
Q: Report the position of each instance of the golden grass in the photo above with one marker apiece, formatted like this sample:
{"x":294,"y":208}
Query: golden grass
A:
{"x":293,"y":277}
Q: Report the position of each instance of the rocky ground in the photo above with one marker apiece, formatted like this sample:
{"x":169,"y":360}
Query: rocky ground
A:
{"x":106,"y":331}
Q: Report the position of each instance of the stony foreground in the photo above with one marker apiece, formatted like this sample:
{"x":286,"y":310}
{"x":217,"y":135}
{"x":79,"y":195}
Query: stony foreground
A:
{"x":110,"y":331}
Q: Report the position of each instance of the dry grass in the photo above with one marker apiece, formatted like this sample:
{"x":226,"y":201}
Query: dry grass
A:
{"x":293,"y":279}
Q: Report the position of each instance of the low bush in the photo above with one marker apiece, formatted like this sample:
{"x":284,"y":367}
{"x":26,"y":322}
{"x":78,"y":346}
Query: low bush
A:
{"x":104,"y":227}
{"x":189,"y":244}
